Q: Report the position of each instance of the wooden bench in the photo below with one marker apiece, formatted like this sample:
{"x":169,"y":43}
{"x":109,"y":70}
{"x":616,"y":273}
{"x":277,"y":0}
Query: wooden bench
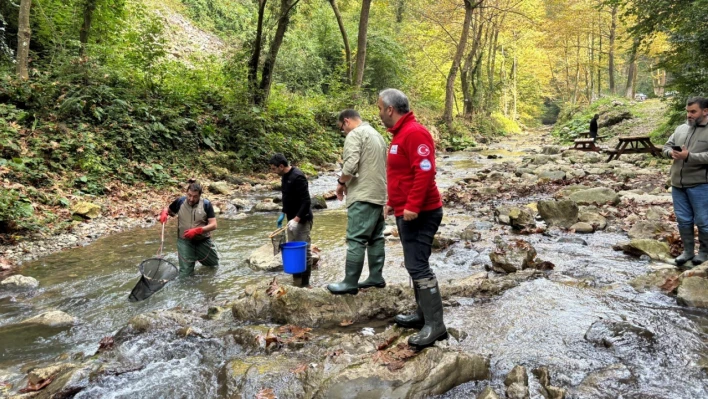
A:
{"x":633,"y":145}
{"x":585,"y":145}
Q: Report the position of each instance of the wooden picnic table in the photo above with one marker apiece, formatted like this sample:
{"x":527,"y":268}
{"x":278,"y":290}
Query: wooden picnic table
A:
{"x":585,"y":145}
{"x":586,"y":135}
{"x":633,"y":145}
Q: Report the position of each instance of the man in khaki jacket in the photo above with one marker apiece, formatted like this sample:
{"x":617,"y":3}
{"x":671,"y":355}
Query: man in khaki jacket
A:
{"x":363,"y":181}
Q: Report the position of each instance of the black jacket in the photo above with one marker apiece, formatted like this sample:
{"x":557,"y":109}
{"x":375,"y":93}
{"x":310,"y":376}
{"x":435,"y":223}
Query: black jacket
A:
{"x":296,"y":195}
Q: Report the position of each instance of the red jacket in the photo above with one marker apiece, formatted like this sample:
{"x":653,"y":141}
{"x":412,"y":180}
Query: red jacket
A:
{"x":410,"y":169}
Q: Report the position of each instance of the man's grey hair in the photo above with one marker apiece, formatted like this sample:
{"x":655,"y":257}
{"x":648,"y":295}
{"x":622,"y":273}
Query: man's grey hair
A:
{"x":396,"y":99}
{"x":701,"y":101}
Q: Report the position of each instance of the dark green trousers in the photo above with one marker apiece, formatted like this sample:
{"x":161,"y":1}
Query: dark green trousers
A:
{"x":190,"y":252}
{"x":365,"y":225}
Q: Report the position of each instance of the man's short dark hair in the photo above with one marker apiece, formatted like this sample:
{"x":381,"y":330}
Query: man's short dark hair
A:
{"x":193,"y":185}
{"x":348,"y":114}
{"x":701,"y":101}
{"x":278,"y":159}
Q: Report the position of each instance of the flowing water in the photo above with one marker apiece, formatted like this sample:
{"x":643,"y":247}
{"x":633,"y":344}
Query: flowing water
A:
{"x":598,"y":336}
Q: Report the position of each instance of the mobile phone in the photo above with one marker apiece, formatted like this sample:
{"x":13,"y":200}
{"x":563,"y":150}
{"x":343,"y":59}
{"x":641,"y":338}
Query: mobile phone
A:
{"x":676,"y":148}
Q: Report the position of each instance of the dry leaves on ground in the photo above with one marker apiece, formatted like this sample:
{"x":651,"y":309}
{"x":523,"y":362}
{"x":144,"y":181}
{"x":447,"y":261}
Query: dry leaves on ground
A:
{"x":388,"y":342}
{"x":294,"y":333}
{"x":268,"y":340}
{"x":105,"y":344}
{"x":671,"y":284}
{"x":300,"y":368}
{"x":394,"y":358}
{"x":36,"y":387}
{"x":274,"y":289}
{"x":266,"y":393}
{"x":335,"y":353}
{"x":346,"y":322}
{"x":675,"y":243}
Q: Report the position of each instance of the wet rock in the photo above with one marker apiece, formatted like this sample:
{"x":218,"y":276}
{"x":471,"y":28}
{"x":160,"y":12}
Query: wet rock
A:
{"x":488,"y":393}
{"x":263,"y":259}
{"x":647,"y":198}
{"x":698,"y":271}
{"x":19,"y":282}
{"x":529,"y":178}
{"x":517,"y":375}
{"x":653,"y":281}
{"x":517,"y":391}
{"x":53,"y":318}
{"x":553,"y":392}
{"x":551,"y":150}
{"x":318,"y":307}
{"x":86,"y":210}
{"x":470,"y":234}
{"x":319,"y":202}
{"x":540,"y":159}
{"x":654,"y":249}
{"x":240,"y":204}
{"x":648,"y":229}
{"x":598,"y":221}
{"x":582,"y":228}
{"x":512,"y":257}
{"x":543,"y":376}
{"x":517,"y":217}
{"x":623,"y":336}
{"x":563,"y":213}
{"x":656,"y":213}
{"x":693,"y":292}
{"x":572,"y":240}
{"x":67,"y":380}
{"x":597,"y":195}
{"x":592,"y":157}
{"x":267,"y":205}
{"x":442,"y":242}
{"x":555,"y":175}
{"x":220,"y":187}
{"x":159,"y":320}
{"x":245,"y":378}
{"x":520,"y":172}
{"x":432,"y":372}
{"x":609,"y":382}
{"x":234,"y":216}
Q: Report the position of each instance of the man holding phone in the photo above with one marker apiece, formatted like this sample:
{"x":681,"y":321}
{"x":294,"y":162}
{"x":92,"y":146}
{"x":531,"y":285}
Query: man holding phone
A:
{"x":688,"y":147}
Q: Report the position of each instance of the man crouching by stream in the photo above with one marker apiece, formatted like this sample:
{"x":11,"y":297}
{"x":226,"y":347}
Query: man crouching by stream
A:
{"x":195,"y":222}
{"x":414,"y":199}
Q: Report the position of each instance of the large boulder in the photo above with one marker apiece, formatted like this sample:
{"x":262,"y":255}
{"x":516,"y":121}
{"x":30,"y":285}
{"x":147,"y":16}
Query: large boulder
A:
{"x":654,"y":280}
{"x":432,"y":372}
{"x":220,"y":187}
{"x":318,"y":202}
{"x":264,"y":260}
{"x":53,"y":318}
{"x":519,"y":217}
{"x":647,"y":229}
{"x":19,"y":281}
{"x":267,"y":205}
{"x":693,"y":292}
{"x":86,"y":210}
{"x":488,"y":393}
{"x":595,"y":219}
{"x":597,"y":195}
{"x":563,"y":213}
{"x":512,"y":257}
{"x":552,"y":175}
{"x":159,"y":320}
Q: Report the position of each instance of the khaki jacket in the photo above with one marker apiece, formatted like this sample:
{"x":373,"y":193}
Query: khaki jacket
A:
{"x":694,"y":170}
{"x":365,"y":160}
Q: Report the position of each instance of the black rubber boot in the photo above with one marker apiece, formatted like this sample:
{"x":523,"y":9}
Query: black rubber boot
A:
{"x":702,"y":255}
{"x":350,"y":284}
{"x":415,"y":320}
{"x":431,"y":303}
{"x":688,"y":246}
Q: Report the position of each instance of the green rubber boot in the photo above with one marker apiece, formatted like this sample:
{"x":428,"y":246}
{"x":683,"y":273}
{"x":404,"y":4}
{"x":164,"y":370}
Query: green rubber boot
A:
{"x":376,"y":255}
{"x":350,"y":284}
{"x":431,"y":303}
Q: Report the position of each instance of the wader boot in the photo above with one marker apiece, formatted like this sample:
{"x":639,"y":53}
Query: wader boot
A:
{"x":350,"y":284}
{"x":702,"y":255}
{"x":415,"y":320}
{"x":688,"y":246}
{"x":376,"y":256}
{"x":431,"y":303}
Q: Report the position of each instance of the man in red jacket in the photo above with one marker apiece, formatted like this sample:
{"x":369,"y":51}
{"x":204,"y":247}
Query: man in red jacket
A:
{"x":414,"y":199}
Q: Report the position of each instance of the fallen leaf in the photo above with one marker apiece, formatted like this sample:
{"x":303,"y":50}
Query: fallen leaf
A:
{"x":335,"y":353}
{"x":670,"y":284}
{"x":388,"y":342}
{"x":274,"y":289}
{"x":266,"y":393}
{"x":105,"y":344}
{"x":294,"y":333}
{"x":346,"y":322}
{"x":299,"y":369}
{"x":36,"y":387}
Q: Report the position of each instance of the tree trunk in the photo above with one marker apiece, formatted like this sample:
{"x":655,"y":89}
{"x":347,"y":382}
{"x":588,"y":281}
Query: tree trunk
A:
{"x":611,"y":53}
{"x":400,"y":9}
{"x":345,"y":39}
{"x":86,"y":27}
{"x":632,"y":71}
{"x":361,"y":42}
{"x":467,"y":75}
{"x":256,"y":55}
{"x":23,"y":39}
{"x":452,"y":75}
{"x":269,"y":64}
{"x":599,"y":58}
{"x":515,"y":89}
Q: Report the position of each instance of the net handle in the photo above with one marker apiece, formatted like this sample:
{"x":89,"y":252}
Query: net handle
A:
{"x":275,"y":233}
{"x":162,"y":241}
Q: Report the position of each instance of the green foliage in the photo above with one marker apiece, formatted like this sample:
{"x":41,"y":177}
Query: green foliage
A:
{"x":15,"y":211}
{"x":504,"y":125}
{"x":576,"y":119}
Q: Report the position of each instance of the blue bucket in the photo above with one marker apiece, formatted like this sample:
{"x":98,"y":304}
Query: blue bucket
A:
{"x":294,"y":256}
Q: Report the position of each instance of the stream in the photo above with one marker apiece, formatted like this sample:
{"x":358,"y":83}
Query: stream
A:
{"x":655,"y":349}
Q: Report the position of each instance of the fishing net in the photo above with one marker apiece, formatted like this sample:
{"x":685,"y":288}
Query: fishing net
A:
{"x":155,"y":273}
{"x":277,"y":238}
